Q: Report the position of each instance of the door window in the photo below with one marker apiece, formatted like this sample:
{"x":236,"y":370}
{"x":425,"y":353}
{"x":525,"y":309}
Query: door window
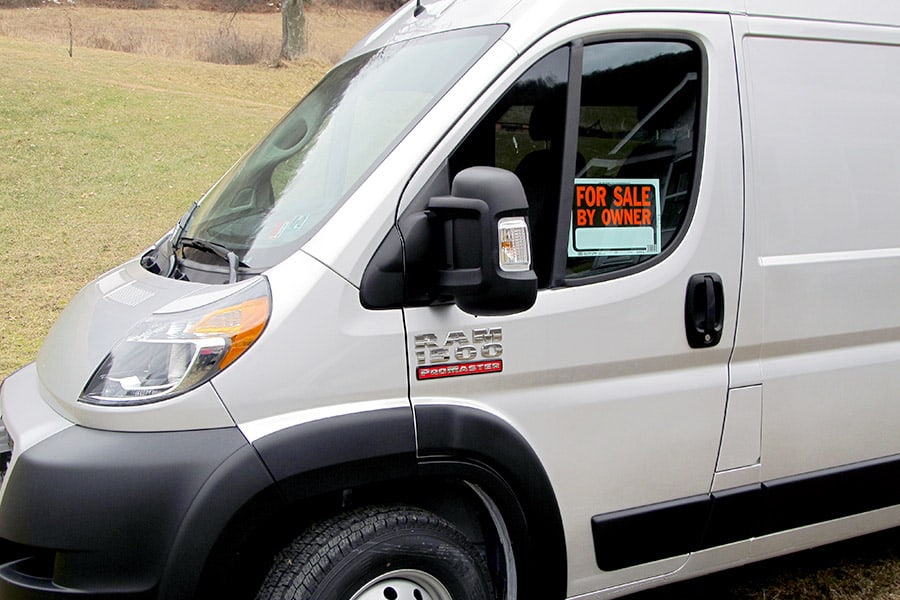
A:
{"x":626,"y":192}
{"x":637,"y":142}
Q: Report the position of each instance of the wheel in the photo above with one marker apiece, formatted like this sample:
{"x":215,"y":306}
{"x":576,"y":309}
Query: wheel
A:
{"x":379,"y":553}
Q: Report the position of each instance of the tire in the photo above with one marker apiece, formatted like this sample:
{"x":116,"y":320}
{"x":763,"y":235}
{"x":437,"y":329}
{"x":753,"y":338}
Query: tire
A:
{"x":379,"y":553}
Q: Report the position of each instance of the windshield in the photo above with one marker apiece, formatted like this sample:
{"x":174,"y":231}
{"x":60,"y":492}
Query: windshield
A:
{"x":279,"y":194}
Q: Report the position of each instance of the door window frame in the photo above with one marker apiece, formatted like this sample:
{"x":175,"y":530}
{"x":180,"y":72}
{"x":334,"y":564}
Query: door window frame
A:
{"x":558,"y":277}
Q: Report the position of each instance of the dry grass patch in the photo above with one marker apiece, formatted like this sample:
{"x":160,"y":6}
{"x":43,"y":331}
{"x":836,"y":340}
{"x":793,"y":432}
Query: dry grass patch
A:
{"x":242,"y":38}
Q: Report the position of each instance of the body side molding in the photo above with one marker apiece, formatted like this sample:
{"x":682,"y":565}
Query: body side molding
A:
{"x":634,"y":536}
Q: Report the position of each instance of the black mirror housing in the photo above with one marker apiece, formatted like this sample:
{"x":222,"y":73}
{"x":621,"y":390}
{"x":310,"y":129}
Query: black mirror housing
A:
{"x":466,"y":228}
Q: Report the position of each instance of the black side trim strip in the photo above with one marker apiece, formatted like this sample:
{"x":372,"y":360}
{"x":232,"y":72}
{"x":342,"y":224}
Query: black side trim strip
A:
{"x":639,"y":535}
{"x":735,"y":514}
{"x":634,"y":536}
{"x":830,"y":494}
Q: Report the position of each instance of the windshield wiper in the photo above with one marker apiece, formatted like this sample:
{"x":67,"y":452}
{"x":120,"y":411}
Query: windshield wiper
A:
{"x":219,"y":250}
{"x":151,"y":258}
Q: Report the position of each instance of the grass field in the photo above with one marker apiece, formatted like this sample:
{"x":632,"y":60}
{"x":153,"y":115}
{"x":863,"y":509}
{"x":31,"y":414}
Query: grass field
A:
{"x":100,"y":153}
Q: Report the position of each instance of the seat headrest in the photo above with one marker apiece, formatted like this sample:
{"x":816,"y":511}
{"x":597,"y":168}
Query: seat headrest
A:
{"x":547,"y":121}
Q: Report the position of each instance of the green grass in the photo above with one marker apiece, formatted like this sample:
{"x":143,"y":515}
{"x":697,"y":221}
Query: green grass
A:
{"x":99,"y":156}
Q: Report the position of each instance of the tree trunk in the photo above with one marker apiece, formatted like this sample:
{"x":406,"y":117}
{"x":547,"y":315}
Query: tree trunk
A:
{"x":293,"y":29}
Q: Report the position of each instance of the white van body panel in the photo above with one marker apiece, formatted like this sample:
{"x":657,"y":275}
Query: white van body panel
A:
{"x":531,"y":20}
{"x":606,"y":418}
{"x":823,"y":247}
{"x":321,"y":349}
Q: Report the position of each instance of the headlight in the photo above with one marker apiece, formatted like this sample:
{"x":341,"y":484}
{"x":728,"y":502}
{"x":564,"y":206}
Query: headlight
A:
{"x":169,"y":354}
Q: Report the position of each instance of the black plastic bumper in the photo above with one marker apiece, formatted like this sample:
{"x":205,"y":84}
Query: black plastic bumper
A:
{"x":102,"y":514}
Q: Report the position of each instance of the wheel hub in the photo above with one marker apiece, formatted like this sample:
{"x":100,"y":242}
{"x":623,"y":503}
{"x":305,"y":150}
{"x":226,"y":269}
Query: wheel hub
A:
{"x":407,"y":584}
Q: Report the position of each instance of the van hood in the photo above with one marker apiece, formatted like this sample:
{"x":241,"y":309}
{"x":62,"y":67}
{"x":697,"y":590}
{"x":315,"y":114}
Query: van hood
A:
{"x":101,"y":315}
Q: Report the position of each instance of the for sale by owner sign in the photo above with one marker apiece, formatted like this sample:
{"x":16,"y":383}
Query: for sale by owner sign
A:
{"x":612,"y":217}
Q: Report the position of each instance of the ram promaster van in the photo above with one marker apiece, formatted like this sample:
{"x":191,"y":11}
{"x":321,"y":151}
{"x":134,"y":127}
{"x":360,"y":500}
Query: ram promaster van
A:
{"x":525,"y":299}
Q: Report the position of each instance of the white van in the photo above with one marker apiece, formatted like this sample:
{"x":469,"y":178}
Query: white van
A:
{"x":525,"y":300}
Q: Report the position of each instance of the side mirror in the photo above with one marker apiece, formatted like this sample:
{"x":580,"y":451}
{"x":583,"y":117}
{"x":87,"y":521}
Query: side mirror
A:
{"x":483,"y":243}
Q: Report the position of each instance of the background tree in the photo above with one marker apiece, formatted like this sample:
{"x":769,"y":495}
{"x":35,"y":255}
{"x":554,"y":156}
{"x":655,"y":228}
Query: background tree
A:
{"x":293,"y":29}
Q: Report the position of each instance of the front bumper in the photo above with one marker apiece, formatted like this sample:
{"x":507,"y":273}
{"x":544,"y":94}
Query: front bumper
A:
{"x":105,"y":514}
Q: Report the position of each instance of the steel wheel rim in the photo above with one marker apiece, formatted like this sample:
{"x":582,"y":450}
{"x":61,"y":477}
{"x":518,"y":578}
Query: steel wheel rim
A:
{"x":405,"y":584}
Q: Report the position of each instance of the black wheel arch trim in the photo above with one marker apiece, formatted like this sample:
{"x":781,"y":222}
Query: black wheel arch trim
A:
{"x":486,"y":450}
{"x":232,"y":486}
{"x":307,"y":462}
{"x":343,"y":451}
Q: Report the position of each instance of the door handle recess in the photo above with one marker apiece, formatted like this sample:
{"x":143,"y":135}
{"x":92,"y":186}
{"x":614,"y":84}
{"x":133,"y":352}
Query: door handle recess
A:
{"x":704,"y":310}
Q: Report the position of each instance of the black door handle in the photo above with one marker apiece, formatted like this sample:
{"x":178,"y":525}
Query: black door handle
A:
{"x":704,"y":310}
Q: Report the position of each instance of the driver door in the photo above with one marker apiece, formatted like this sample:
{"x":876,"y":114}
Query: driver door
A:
{"x":601,"y":376}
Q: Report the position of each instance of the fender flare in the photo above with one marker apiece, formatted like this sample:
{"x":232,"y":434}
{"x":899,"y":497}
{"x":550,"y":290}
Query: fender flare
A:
{"x":327,"y":455}
{"x":297,"y":463}
{"x":316,"y":458}
{"x":477,"y":441}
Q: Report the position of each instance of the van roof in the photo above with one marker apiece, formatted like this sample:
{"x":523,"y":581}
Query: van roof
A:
{"x":531,"y":18}
{"x":868,"y":12}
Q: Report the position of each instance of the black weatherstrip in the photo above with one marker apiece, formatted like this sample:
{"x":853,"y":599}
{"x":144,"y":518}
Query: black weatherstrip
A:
{"x":635,"y":536}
